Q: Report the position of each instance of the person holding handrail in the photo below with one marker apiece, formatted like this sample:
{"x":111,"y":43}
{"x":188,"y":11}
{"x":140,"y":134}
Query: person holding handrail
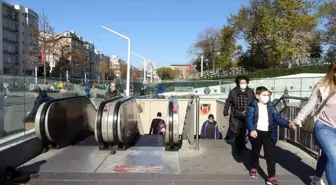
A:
{"x":322,"y":105}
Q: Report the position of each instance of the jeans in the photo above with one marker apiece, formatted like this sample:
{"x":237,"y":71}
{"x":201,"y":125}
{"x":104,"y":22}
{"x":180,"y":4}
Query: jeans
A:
{"x":321,"y":165}
{"x":326,"y":137}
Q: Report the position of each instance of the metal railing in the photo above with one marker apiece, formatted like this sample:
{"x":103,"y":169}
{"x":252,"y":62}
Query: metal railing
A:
{"x":289,"y":107}
{"x":191,"y":123}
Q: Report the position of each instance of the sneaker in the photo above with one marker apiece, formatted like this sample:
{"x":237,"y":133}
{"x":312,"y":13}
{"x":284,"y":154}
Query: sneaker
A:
{"x":253,"y":173}
{"x":272,"y":181}
{"x":320,"y":182}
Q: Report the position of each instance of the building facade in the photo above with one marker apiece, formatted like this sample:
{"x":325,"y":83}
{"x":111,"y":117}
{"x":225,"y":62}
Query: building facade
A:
{"x":17,"y":25}
{"x":10,"y":34}
{"x":28,"y":40}
{"x":1,"y":52}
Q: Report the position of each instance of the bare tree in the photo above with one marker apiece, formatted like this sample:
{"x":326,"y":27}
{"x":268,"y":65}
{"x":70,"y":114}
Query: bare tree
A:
{"x":207,"y":44}
{"x":105,"y":69}
{"x":46,"y":37}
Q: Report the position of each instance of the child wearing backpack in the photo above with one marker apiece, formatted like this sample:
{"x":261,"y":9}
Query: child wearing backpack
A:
{"x":262,"y":120}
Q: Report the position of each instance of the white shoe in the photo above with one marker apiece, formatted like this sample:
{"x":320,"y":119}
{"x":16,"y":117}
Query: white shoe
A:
{"x":317,"y":182}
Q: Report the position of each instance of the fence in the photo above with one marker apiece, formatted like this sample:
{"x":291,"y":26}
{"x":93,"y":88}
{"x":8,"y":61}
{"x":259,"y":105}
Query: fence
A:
{"x":289,"y":107}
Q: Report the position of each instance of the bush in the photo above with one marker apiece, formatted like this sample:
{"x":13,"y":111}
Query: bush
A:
{"x":275,"y":72}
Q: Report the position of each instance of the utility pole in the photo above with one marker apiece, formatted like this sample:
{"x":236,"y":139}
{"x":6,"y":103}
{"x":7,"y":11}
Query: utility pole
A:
{"x":202,"y":66}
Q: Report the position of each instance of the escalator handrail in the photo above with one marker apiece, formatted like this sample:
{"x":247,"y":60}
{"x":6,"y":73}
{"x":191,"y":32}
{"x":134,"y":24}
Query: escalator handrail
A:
{"x":45,"y":110}
{"x":171,"y":122}
{"x":116,"y":120}
{"x":99,"y":118}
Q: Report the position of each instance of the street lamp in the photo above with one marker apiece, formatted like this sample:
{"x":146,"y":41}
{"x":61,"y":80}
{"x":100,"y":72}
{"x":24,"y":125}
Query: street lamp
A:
{"x":128,"y":58}
{"x":145,"y":60}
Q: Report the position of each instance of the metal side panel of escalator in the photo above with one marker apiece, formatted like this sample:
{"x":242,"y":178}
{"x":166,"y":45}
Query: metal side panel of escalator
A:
{"x":65,"y":121}
{"x":125,"y":131}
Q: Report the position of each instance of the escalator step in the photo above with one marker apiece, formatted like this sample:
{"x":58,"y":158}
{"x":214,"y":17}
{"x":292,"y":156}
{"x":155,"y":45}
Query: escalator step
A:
{"x":150,"y":141}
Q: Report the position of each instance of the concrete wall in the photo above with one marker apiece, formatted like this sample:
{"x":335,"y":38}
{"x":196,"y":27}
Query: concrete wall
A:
{"x":150,"y":107}
{"x":297,"y":85}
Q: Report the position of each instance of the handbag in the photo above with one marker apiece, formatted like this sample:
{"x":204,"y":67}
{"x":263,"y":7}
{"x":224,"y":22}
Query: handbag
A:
{"x":311,"y":119}
{"x":239,"y":114}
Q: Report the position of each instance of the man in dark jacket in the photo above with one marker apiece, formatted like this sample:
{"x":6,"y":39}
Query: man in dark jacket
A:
{"x":154,"y":129}
{"x":238,"y":102}
{"x":41,"y":97}
{"x":112,"y":92}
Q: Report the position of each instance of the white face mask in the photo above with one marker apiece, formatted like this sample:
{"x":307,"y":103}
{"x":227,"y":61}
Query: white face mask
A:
{"x":243,"y":86}
{"x":264,"y":99}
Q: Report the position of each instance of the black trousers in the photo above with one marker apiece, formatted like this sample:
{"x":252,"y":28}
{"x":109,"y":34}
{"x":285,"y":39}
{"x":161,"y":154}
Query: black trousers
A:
{"x":264,"y":140}
{"x":240,"y":138}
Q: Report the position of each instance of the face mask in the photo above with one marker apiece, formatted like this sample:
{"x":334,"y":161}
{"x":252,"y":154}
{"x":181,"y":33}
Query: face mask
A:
{"x":210,"y":120}
{"x":264,"y":99}
{"x":113,"y":88}
{"x":243,"y":86}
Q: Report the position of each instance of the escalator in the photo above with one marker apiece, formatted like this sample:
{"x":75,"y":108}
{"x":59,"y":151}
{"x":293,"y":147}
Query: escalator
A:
{"x":121,"y":126}
{"x":67,"y":121}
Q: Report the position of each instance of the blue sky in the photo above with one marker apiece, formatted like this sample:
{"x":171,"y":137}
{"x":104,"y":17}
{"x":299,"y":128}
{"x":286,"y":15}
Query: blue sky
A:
{"x":161,"y":30}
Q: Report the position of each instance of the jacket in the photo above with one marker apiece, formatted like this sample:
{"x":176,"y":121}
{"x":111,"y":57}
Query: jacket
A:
{"x":154,"y":128}
{"x":40,"y":99}
{"x":317,"y":96}
{"x":231,"y":103}
{"x":109,"y":95}
{"x":203,"y":131}
{"x":274,"y":119}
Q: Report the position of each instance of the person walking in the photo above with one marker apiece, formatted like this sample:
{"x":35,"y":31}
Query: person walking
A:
{"x":322,"y":106}
{"x":238,"y":101}
{"x":262,"y":121}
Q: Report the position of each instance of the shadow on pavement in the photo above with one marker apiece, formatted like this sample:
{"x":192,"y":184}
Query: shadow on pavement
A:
{"x":21,"y":175}
{"x":286,"y":159}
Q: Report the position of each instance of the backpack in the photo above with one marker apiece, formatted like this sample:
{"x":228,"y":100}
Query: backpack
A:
{"x":161,"y":127}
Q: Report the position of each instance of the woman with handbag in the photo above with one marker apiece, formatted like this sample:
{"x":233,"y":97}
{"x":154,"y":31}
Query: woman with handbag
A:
{"x":319,"y":116}
{"x":238,"y":102}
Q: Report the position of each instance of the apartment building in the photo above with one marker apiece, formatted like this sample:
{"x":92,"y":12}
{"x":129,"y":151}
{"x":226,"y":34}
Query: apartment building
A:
{"x":1,"y":50}
{"x":17,"y":27}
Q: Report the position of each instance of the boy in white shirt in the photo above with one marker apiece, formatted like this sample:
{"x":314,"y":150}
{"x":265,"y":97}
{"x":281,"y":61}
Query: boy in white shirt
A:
{"x":262,"y":121}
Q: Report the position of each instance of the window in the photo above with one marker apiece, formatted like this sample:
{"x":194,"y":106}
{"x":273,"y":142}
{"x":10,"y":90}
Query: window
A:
{"x":11,"y":25}
{"x":9,"y":59}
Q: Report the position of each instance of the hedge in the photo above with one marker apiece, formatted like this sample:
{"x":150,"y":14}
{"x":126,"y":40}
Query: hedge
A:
{"x":275,"y":72}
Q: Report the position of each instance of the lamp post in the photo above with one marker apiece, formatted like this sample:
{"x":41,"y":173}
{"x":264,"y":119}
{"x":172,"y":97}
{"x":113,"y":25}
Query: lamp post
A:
{"x":128,"y":76}
{"x":145,"y":60}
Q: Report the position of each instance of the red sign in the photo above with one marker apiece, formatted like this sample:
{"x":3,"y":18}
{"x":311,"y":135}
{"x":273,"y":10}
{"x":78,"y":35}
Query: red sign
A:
{"x":205,"y":108}
{"x":137,"y":168}
{"x":42,"y":57}
{"x":190,"y":68}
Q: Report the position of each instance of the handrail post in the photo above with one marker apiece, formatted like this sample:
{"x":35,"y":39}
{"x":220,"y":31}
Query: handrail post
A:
{"x":197,"y":121}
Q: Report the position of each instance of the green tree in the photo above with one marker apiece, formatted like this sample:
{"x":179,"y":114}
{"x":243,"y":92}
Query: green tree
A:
{"x":327,"y":11}
{"x":165,"y":73}
{"x":277,"y":31}
{"x":228,"y":48}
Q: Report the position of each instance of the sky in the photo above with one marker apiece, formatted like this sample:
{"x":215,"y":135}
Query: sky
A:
{"x":160,"y":30}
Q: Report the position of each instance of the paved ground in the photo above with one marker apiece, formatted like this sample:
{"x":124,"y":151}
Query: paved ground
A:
{"x":152,"y":179}
{"x":213,"y":164}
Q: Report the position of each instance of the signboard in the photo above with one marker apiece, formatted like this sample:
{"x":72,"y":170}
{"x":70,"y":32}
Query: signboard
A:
{"x":137,"y":169}
{"x":207,"y":90}
{"x":205,"y":109}
{"x":183,"y":89}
